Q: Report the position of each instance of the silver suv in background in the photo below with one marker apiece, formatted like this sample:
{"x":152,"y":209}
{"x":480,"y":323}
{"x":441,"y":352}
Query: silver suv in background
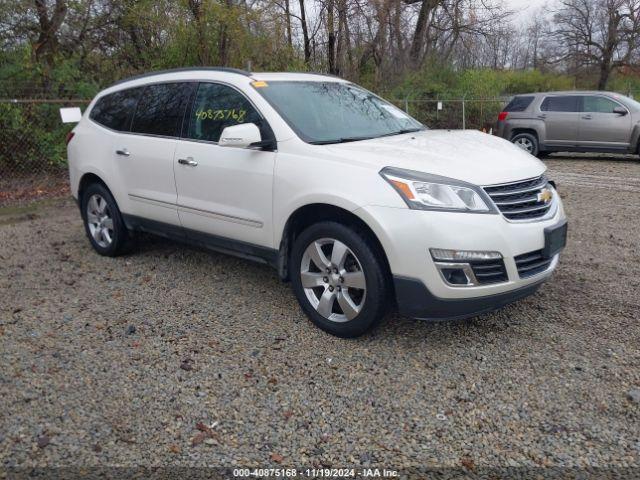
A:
{"x":542,"y":123}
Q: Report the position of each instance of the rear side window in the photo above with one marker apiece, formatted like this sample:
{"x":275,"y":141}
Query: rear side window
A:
{"x":596,"y":104}
{"x":560,"y":104}
{"x":115,"y":110}
{"x":161,"y":108}
{"x":218,"y":106}
{"x":518,"y":104}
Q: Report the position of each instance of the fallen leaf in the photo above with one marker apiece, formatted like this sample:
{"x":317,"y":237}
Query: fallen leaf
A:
{"x":277,"y":457}
{"x":202,"y":427}
{"x":468,"y":463}
{"x":198,"y":439}
{"x":174,"y":449}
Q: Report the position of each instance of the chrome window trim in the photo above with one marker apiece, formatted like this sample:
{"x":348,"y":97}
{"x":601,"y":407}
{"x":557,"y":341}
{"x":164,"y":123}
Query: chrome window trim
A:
{"x":189,"y":107}
{"x":197,"y":211}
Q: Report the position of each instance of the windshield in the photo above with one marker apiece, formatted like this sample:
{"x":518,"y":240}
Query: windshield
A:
{"x":335,"y":112}
{"x":634,"y":104}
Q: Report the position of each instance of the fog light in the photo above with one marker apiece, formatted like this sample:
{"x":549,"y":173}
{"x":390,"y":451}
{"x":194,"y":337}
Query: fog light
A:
{"x":455,"y":276}
{"x":443,"y":255}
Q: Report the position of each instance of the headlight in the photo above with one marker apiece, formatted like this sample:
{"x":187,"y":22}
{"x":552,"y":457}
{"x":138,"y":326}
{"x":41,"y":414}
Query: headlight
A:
{"x":431,"y":192}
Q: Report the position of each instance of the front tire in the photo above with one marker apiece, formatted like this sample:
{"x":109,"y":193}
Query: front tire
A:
{"x":527,"y":142}
{"x":339,"y":279}
{"x":103,"y":222}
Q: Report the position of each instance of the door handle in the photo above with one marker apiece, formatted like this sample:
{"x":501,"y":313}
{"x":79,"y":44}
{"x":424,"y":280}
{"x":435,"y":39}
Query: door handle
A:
{"x":586,"y":117}
{"x":124,"y":152}
{"x":188,"y":161}
{"x":542,"y":116}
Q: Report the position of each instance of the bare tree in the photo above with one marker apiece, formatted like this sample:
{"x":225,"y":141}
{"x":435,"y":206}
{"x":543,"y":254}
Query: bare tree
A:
{"x":602,"y":34}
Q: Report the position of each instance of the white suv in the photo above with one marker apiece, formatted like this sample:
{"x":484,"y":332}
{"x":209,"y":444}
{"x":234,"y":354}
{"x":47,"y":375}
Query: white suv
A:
{"x":357,"y":204}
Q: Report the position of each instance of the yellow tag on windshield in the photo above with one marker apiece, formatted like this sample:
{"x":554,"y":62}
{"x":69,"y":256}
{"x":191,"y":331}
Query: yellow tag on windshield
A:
{"x":259,"y":84}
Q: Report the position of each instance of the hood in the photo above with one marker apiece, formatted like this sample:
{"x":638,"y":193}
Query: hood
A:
{"x":467,"y":155}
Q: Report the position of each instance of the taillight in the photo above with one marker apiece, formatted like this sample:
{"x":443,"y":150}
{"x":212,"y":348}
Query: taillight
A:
{"x":69,"y":137}
{"x":502,"y":116}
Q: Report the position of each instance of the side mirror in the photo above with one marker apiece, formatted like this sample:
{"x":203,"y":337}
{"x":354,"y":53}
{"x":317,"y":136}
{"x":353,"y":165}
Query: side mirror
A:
{"x":620,"y":111}
{"x":240,"y":136}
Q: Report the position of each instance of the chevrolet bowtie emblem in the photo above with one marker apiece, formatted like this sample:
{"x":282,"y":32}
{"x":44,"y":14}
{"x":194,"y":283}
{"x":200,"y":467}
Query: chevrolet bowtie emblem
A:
{"x":545,"y":195}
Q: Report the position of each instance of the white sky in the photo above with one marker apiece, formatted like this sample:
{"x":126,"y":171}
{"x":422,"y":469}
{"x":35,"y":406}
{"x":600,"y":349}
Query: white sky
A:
{"x":525,"y":7}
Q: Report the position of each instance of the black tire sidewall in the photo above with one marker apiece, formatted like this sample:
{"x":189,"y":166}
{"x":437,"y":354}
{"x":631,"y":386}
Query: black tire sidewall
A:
{"x":120,"y":233}
{"x":534,"y":140}
{"x":376,"y":299}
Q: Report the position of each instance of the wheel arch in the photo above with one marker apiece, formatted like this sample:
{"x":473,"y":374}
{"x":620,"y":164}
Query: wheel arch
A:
{"x":312,"y":213}
{"x":519,"y":130}
{"x":635,"y":139}
{"x":87,"y":179}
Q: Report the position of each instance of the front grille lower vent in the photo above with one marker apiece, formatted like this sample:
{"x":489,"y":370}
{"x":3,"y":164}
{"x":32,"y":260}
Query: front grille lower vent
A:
{"x":489,"y":271}
{"x":532,"y":263}
{"x":523,"y":200}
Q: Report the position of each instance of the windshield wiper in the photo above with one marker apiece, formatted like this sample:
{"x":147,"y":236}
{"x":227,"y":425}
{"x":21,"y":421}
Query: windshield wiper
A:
{"x":340,"y":140}
{"x":404,"y":130}
{"x":356,"y":139}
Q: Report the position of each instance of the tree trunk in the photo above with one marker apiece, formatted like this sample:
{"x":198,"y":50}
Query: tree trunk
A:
{"x":46,"y":46}
{"x":605,"y":71}
{"x":305,"y":34}
{"x":331,"y":39}
{"x":420,"y":32}
{"x":611,"y":43}
{"x":397,"y":29}
{"x":204,"y":56}
{"x":224,"y":43}
{"x":287,"y":12}
{"x":345,"y":35}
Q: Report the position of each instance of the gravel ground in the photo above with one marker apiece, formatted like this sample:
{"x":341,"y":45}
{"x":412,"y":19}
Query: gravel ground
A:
{"x":174,"y":356}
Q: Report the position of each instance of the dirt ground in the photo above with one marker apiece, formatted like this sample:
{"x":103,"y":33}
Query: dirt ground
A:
{"x":175,"y":356}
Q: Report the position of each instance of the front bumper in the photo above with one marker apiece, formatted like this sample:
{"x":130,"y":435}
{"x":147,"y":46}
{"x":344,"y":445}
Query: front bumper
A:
{"x":415,"y":300}
{"x":407,"y":235}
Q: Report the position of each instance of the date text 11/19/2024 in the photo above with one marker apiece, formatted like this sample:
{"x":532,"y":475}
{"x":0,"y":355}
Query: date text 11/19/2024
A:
{"x":314,"y":473}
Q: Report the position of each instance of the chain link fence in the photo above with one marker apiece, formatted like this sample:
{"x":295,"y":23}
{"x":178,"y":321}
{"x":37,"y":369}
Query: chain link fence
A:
{"x":455,"y":113}
{"x":33,"y":148}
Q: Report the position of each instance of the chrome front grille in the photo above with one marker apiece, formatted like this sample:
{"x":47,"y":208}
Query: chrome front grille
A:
{"x":531,"y":263}
{"x":522,"y":200}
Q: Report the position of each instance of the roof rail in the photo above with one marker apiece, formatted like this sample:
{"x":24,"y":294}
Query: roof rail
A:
{"x":185,"y":69}
{"x":322,"y":74}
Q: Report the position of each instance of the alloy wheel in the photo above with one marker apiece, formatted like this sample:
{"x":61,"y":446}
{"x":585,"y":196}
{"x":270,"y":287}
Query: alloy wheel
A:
{"x":525,"y":144}
{"x":333,"y":280}
{"x":99,"y":220}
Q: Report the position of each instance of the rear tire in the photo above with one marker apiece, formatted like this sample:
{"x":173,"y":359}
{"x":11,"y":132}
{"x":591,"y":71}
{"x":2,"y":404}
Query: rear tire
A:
{"x":527,"y":142}
{"x":338,"y":279}
{"x":103,"y":222}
